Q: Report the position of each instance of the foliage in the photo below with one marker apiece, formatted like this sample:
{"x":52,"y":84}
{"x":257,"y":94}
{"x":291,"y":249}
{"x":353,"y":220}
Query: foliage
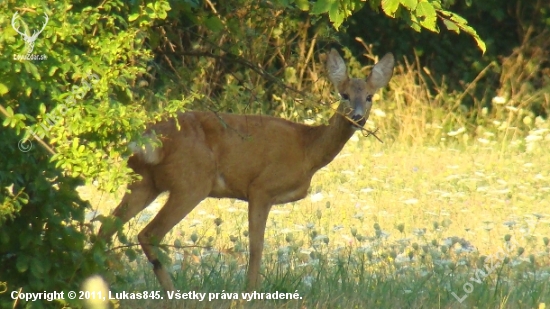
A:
{"x":521,"y":44}
{"x":417,"y":14}
{"x":85,"y":100}
{"x":41,"y":225}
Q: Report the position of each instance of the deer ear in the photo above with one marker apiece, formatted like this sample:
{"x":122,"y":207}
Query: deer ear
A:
{"x":381,"y":72}
{"x":337,"y":72}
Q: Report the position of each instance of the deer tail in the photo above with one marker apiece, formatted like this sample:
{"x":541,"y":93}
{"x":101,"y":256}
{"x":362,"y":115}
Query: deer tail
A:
{"x":150,"y":152}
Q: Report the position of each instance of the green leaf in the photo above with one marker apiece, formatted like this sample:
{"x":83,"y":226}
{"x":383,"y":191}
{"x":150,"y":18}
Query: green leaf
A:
{"x":321,"y":6}
{"x":31,"y":68}
{"x":150,"y":10}
{"x":451,"y":25}
{"x":133,"y":16}
{"x":457,"y":18}
{"x":214,"y":23}
{"x":131,"y":254}
{"x":336,"y":15}
{"x":161,"y":7}
{"x":303,"y":5}
{"x":480,"y":43}
{"x":162,"y":14}
{"x":52,"y":70}
{"x":462,"y":24}
{"x":390,"y":6}
{"x":9,"y":110}
{"x":430,"y":23}
{"x":425,"y":9}
{"x":37,"y":268}
{"x":22,"y":263}
{"x":122,"y":238}
{"x":42,"y":108}
{"x":410,"y":4}
{"x":3,"y":89}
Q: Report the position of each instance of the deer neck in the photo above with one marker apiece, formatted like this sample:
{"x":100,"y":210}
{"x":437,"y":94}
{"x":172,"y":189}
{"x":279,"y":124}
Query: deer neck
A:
{"x":326,"y":141}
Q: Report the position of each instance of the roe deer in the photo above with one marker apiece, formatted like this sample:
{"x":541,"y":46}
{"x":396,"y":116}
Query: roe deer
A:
{"x":208,"y":157}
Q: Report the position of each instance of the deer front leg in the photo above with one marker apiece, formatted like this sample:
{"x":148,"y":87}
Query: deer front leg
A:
{"x":139,"y":197}
{"x":179,"y":205}
{"x":142,"y":193}
{"x":258,"y":211}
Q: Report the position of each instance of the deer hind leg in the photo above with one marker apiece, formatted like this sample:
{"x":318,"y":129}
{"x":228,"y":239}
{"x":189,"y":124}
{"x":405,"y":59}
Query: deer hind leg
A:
{"x":258,"y":211}
{"x":142,"y":193}
{"x":179,"y":204}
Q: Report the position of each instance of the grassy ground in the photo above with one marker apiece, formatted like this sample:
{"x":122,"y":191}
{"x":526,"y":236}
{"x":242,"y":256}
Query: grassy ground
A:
{"x":462,"y":224}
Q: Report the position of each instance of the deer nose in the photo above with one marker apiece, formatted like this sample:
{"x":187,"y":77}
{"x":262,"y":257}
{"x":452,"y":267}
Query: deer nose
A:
{"x":359,"y":119}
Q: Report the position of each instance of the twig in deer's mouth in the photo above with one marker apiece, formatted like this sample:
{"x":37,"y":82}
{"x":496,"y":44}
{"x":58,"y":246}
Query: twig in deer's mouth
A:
{"x":373,"y":133}
{"x":368,"y":132}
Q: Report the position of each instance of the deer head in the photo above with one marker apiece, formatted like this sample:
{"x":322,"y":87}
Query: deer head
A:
{"x":357,"y":93}
{"x":29,"y":39}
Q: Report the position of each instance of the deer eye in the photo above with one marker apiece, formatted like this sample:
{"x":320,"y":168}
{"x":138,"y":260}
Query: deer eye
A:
{"x":344,"y":96}
{"x":369,"y":98}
